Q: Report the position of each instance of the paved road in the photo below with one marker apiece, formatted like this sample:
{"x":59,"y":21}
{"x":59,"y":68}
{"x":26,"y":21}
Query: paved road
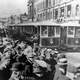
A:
{"x":73,"y":58}
{"x":73,"y":62}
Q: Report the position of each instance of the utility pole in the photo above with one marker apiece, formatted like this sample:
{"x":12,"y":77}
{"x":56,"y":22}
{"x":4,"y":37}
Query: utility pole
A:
{"x":32,"y":10}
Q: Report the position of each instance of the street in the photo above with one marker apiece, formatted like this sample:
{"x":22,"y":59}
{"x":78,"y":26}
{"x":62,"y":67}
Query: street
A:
{"x":73,"y":58}
{"x":74,"y":61}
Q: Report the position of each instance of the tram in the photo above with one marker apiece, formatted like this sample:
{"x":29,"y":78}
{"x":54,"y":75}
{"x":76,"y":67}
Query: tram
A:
{"x":64,"y":36}
{"x":70,"y":35}
{"x":22,"y":31}
{"x":49,"y":34}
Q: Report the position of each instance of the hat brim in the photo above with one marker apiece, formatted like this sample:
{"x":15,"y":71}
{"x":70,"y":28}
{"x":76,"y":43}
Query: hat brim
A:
{"x":62,"y":63}
{"x":14,"y":69}
{"x":78,"y":70}
{"x":56,"y":52}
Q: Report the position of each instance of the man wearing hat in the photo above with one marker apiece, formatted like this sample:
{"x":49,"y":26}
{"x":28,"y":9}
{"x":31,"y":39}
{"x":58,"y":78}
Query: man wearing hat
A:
{"x":51,"y":62}
{"x":55,"y":53}
{"x":1,"y":46}
{"x":77,"y":75}
{"x":17,"y":70}
{"x":60,"y":73}
{"x":40,"y":70}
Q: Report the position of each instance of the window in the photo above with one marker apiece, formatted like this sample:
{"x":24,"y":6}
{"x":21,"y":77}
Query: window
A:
{"x":49,"y":3}
{"x":56,"y":2}
{"x":56,"y":13}
{"x":77,"y":32}
{"x":54,"y":31}
{"x":46,"y":3}
{"x":50,"y":14}
{"x":77,"y":10}
{"x":57,"y":31}
{"x":13,"y":28}
{"x":62,"y":12}
{"x":68,"y":10}
{"x":45,"y":15}
{"x":51,"y":31}
{"x":71,"y":31}
{"x":44,"y":31}
{"x":40,"y":16}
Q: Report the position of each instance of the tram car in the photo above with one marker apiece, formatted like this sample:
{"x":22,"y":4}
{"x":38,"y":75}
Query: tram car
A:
{"x":70,"y":35}
{"x":49,"y":34}
{"x":65,"y":36}
{"x":22,"y":31}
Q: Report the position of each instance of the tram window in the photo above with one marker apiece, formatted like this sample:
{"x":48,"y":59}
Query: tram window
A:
{"x":51,"y":31}
{"x":13,"y":28}
{"x":29,"y":29}
{"x":44,"y":31}
{"x":77,"y":31}
{"x":22,"y":28}
{"x":57,"y":32}
{"x":71,"y":31}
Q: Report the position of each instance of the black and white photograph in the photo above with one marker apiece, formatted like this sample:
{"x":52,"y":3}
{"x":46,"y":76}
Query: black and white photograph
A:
{"x":39,"y":39}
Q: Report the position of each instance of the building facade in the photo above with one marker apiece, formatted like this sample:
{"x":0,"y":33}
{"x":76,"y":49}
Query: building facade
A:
{"x":55,"y":13}
{"x":43,"y":9}
{"x":56,"y":10}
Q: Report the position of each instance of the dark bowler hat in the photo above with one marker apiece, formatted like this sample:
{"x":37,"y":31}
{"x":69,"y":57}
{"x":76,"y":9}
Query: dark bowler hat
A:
{"x":18,"y":66}
{"x":78,"y":68}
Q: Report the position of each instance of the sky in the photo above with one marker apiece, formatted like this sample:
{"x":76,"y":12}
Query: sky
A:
{"x":12,"y":7}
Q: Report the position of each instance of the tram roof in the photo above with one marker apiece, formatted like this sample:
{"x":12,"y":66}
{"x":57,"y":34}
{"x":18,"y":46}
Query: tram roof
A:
{"x":48,"y":23}
{"x":23,"y":24}
{"x":41,"y":23}
{"x":71,"y":23}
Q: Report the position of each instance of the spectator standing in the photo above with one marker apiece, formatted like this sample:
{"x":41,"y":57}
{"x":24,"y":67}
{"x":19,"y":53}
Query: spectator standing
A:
{"x":60,"y":73}
{"x":77,"y":75}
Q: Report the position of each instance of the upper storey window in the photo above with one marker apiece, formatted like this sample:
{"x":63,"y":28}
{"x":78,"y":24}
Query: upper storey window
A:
{"x":77,"y":10}
{"x":68,"y":10}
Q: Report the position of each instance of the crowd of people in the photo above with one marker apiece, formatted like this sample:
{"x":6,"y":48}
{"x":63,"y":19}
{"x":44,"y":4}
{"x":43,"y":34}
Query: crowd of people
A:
{"x":21,"y":61}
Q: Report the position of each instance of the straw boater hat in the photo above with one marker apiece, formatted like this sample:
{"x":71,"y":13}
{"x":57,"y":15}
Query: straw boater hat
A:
{"x":62,"y":61}
{"x":55,"y":51}
{"x":49,"y":49}
{"x":78,"y":68}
